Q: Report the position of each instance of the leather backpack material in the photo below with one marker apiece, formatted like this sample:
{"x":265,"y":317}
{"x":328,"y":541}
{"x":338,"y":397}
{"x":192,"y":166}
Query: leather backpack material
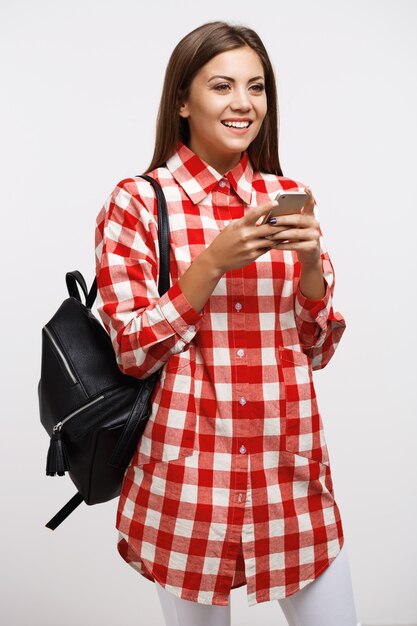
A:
{"x":94,"y":413}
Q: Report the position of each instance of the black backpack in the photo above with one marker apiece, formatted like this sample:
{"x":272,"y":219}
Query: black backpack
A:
{"x":94,"y":413}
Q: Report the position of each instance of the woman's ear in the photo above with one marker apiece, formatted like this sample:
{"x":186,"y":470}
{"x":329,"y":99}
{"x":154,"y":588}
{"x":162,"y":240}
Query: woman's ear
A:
{"x":183,"y":110}
{"x":182,"y":105}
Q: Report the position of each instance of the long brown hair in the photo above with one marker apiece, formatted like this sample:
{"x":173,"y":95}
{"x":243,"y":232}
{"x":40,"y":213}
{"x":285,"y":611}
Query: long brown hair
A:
{"x":190,"y":54}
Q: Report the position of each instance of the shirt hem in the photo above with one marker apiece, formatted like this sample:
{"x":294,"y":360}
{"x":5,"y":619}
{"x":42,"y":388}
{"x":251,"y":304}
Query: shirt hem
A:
{"x":145,"y":569}
{"x":271,"y":595}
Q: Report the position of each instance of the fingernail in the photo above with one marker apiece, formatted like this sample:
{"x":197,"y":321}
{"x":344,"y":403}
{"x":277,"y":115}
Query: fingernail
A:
{"x":273,"y":220}
{"x":274,"y":203}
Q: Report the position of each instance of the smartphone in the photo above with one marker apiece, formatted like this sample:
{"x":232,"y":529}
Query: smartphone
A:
{"x":289,"y":202}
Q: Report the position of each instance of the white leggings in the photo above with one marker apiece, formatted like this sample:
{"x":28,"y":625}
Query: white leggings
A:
{"x":326,"y":601}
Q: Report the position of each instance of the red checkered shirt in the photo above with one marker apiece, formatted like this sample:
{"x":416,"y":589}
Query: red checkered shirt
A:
{"x":230,"y":483}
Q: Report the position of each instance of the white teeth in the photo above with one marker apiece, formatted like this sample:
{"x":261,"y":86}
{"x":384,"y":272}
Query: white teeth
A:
{"x":237,"y":124}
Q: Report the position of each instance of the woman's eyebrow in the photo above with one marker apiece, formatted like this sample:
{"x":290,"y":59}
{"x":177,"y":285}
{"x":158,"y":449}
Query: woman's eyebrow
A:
{"x":232,"y":79}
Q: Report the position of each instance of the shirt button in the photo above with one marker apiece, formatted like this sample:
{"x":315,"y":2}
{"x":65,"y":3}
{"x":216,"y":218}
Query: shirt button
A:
{"x":238,"y":306}
{"x":240,"y":497}
{"x":242,"y":400}
{"x":191,"y":329}
{"x":242,"y":449}
{"x":222,"y":183}
{"x":240,"y":352}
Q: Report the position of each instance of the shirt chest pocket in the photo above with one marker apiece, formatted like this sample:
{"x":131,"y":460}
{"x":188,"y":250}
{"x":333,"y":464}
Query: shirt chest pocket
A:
{"x":303,"y":428}
{"x":170,"y":432}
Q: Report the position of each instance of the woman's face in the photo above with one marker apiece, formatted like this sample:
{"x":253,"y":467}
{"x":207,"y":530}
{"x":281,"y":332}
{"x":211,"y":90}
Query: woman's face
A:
{"x":231,"y":86}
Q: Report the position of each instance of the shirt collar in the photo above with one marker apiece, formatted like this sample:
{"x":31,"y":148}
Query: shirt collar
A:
{"x":198,"y":178}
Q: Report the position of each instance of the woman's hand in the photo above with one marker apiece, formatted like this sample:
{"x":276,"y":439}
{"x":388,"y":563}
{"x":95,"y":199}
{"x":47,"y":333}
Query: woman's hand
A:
{"x":241,"y":242}
{"x":302,"y":232}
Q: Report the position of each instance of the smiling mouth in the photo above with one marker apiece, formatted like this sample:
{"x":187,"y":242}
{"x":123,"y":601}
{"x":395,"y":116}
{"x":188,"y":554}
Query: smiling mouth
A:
{"x":237,"y":126}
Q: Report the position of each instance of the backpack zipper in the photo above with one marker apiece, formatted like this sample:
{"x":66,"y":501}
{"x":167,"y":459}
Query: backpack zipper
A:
{"x":60,"y":424}
{"x":61,"y":354}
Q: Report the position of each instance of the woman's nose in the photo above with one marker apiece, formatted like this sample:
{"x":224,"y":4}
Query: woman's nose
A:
{"x":241,"y":99}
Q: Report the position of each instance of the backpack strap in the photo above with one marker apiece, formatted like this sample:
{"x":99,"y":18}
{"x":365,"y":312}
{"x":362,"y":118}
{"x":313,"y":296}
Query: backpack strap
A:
{"x":72,"y":278}
{"x":128,"y":439}
{"x":163,"y":238}
{"x":65,"y":511}
{"x":140,"y":409}
{"x":163,"y":235}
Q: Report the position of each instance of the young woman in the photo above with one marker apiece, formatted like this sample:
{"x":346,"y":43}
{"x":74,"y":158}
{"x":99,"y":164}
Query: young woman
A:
{"x":230,"y":483}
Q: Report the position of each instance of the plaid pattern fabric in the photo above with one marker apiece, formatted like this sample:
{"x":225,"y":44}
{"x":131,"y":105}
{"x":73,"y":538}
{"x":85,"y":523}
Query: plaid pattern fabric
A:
{"x":230,"y":483}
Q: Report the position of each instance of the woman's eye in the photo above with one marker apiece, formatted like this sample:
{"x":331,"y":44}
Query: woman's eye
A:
{"x":225,"y":86}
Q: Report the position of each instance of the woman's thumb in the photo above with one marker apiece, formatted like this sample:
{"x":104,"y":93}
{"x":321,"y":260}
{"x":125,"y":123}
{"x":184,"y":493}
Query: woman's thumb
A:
{"x":259,"y":213}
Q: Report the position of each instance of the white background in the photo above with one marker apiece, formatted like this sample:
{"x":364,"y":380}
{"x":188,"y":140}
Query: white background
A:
{"x":81,"y":84}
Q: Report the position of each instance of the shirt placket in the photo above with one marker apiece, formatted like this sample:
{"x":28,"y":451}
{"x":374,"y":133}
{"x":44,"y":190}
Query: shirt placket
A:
{"x":241,"y":390}
{"x":241,"y":398}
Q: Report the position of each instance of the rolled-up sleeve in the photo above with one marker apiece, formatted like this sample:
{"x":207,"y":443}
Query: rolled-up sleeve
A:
{"x":320,"y":327}
{"x":144,"y":327}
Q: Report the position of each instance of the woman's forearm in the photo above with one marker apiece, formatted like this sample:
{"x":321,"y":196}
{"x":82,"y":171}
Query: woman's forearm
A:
{"x":312,"y":283}
{"x":201,"y":278}
{"x":199,"y":281}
